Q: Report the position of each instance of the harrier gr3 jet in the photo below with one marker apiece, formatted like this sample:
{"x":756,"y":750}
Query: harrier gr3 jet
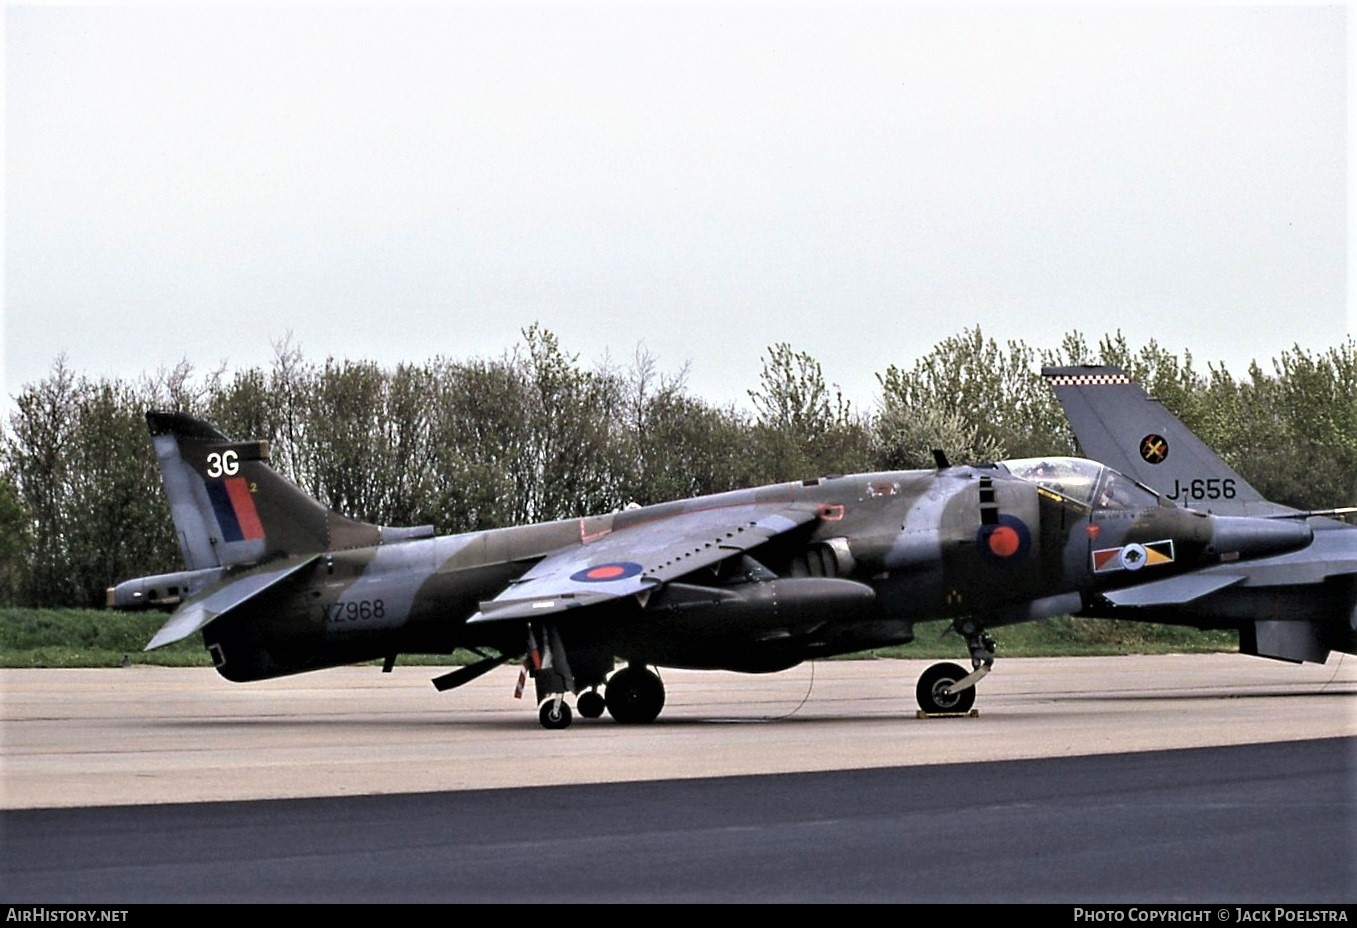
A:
{"x":1296,"y":606}
{"x":751,"y":580}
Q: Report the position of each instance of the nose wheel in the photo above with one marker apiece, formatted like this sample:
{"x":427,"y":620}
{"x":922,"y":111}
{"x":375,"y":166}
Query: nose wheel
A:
{"x":947,"y":689}
{"x":934,"y":690}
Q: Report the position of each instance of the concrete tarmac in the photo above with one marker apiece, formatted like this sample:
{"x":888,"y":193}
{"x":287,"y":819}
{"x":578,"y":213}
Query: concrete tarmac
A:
{"x":156,"y":735}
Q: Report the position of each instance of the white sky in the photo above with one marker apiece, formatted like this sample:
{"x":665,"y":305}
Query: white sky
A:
{"x":405,"y":183}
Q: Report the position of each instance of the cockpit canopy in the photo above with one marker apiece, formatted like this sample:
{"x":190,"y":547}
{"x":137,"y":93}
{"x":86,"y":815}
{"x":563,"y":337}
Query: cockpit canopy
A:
{"x":1083,"y":481}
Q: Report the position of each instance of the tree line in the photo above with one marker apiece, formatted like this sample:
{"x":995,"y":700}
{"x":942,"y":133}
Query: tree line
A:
{"x":534,"y":435}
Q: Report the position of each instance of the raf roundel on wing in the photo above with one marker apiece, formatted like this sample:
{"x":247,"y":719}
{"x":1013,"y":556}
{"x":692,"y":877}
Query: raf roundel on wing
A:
{"x":603,"y":573}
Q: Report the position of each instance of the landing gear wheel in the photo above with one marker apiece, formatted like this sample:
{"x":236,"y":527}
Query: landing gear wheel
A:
{"x":590,"y":704}
{"x":933,"y":682}
{"x":554,"y":715}
{"x":634,"y":696}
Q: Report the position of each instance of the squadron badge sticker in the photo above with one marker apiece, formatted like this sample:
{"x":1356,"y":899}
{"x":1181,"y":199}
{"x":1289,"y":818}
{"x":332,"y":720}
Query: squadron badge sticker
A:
{"x":1133,"y":556}
{"x":1154,"y":448}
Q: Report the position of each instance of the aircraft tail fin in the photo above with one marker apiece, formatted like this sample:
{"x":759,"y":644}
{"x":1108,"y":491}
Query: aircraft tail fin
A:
{"x":1118,"y":424}
{"x":231,"y":507}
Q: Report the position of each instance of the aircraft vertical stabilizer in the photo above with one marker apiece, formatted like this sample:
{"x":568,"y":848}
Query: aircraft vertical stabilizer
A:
{"x":1118,"y":423}
{"x":230,"y":507}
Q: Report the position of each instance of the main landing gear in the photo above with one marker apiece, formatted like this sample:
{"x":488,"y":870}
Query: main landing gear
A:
{"x":633,"y":696}
{"x":555,"y":713}
{"x":945,"y":689}
{"x":590,"y":704}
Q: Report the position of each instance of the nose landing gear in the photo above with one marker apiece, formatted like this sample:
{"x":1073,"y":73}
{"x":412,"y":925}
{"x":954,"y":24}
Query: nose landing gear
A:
{"x":947,"y":689}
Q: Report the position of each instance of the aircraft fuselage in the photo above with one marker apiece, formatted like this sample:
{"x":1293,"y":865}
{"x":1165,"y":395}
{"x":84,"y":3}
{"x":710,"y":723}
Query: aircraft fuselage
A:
{"x":882,"y":552}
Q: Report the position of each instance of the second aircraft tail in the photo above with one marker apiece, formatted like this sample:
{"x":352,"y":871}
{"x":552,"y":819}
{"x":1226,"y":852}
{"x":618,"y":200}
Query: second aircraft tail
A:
{"x":1117,"y":423}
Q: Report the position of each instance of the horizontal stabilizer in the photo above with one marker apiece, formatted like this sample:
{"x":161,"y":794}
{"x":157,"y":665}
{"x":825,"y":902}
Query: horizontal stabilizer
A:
{"x":1299,"y":568}
{"x":197,"y":614}
{"x":1173,"y":591}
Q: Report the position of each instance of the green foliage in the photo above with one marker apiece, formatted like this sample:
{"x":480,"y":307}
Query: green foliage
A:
{"x":88,"y":638}
{"x":567,"y":468}
{"x":478,"y":430}
{"x":972,"y":399}
{"x":16,"y":541}
{"x":1294,"y":438}
{"x":802,"y":428}
{"x":76,"y":459}
{"x":674,"y":446}
{"x":534,"y":435}
{"x":1069,"y":636}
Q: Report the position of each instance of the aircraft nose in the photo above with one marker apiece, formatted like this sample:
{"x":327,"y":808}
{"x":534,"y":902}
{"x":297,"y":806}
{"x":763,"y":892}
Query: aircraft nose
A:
{"x":1242,"y":537}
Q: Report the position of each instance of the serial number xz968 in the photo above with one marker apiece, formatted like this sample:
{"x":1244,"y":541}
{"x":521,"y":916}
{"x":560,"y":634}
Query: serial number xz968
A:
{"x":354,"y":610}
{"x":1203,"y":488}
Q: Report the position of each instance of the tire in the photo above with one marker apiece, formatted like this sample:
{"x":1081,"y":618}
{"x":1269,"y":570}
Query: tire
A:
{"x":554,"y":717}
{"x":935,"y":679}
{"x":590,"y":704}
{"x":634,"y":696}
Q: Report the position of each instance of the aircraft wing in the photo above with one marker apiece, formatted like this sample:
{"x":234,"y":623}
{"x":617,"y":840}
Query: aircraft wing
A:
{"x":1173,"y":591}
{"x":197,"y":613}
{"x":1301,"y":568}
{"x":634,"y":559}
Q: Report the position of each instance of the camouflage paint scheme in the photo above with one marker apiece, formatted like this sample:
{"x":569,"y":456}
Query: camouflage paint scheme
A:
{"x":751,"y":580}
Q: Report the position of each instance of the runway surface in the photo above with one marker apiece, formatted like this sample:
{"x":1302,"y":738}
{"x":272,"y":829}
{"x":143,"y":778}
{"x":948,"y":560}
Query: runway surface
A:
{"x":1256,"y":823}
{"x":157,"y":735}
{"x":1213,"y":779}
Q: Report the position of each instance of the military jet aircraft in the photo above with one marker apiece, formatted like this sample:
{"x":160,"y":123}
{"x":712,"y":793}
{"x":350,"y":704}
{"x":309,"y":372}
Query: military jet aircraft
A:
{"x":751,"y":580}
{"x":1295,"y":606}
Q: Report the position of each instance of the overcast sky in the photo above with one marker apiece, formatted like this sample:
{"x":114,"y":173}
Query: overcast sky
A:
{"x":399,"y":184}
